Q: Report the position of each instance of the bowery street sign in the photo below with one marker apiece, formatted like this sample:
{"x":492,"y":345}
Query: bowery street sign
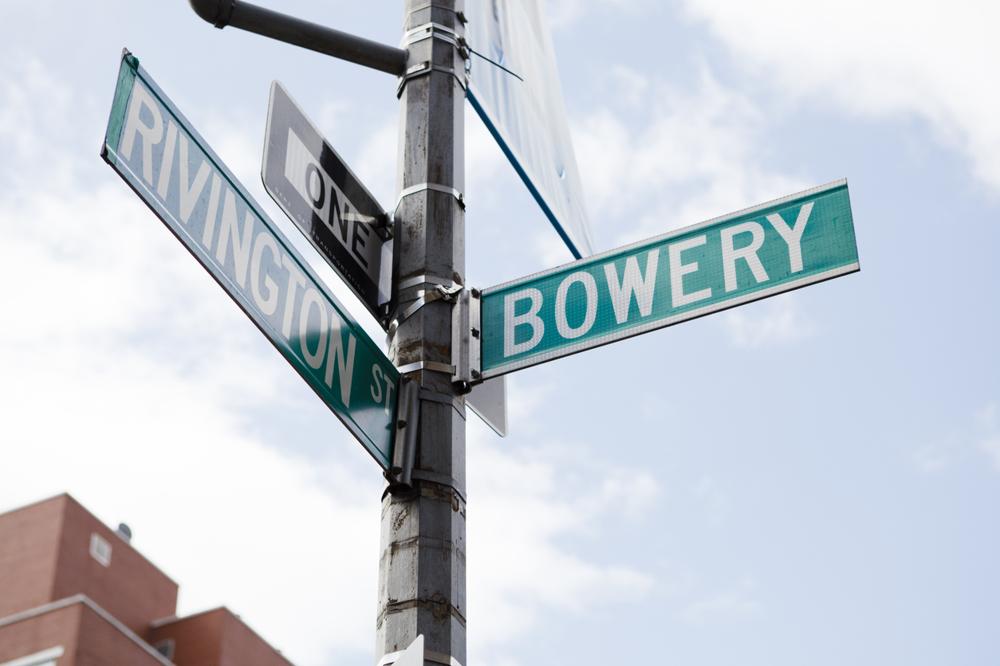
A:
{"x":734,"y":259}
{"x":172,"y":169}
{"x":307,"y":179}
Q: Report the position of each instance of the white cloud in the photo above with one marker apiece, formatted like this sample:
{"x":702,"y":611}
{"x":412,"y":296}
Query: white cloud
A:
{"x":692,"y":155}
{"x":989,"y":423}
{"x":548,"y":247}
{"x":991,"y":447}
{"x":525,"y":399}
{"x":775,"y":321}
{"x":632,"y":494}
{"x":562,"y":14}
{"x":529,"y":501}
{"x":525,"y":504}
{"x":736,"y":604}
{"x":988,"y":415}
{"x":880,"y":59}
{"x":936,"y":456}
{"x":714,"y":500}
{"x":980,"y":437}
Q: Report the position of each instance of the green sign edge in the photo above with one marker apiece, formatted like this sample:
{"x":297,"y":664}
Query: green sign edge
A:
{"x":696,"y":313}
{"x":129,"y":71}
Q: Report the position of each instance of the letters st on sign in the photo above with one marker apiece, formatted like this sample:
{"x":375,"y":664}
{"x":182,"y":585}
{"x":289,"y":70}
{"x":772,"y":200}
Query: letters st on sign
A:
{"x":174,"y":171}
{"x":734,"y":259}
{"x":313,"y":186}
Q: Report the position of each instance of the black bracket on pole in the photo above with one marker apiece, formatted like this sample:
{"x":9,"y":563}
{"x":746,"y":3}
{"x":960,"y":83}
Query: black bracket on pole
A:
{"x":404,"y":454}
{"x":312,"y":36}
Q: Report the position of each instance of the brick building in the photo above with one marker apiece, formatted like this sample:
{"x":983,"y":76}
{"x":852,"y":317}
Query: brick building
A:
{"x":73,"y":592}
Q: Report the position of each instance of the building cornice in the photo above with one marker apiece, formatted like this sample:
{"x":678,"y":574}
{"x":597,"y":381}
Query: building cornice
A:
{"x":84,"y":600}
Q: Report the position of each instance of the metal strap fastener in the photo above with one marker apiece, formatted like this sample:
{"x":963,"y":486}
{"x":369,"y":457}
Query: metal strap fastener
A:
{"x":433,"y":366}
{"x":429,"y":655}
{"x":447,"y":484}
{"x":439,"y":293}
{"x":437,"y":31}
{"x":433,"y":396}
{"x":429,"y":31}
{"x":434,"y":187}
{"x":409,"y":283}
{"x":418,"y":280}
{"x":425,"y":68}
{"x":423,"y":298}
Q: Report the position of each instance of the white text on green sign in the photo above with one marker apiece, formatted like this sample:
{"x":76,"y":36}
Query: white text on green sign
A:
{"x":779,"y":246}
{"x":158,"y":153}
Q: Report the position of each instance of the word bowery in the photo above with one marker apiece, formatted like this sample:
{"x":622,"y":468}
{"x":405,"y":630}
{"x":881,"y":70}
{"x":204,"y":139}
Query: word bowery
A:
{"x":786,"y":244}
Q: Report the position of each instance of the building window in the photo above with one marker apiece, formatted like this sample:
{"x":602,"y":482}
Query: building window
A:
{"x":100,"y":550}
{"x":44,"y":658}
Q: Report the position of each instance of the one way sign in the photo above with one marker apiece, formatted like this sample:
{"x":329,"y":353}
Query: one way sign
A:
{"x":310,"y":182}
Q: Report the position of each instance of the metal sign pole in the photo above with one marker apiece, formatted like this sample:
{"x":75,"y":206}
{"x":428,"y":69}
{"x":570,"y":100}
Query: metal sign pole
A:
{"x":422,"y":565}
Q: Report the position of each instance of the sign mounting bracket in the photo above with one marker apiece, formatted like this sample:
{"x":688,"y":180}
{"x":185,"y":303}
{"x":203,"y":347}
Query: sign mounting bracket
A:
{"x":439,"y":293}
{"x":407,"y":427}
{"x":422,"y":187}
{"x":466,"y":342}
{"x":426,"y":67}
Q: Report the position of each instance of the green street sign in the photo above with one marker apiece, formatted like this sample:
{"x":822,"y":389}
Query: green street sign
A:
{"x":734,"y":259}
{"x":170,"y":166}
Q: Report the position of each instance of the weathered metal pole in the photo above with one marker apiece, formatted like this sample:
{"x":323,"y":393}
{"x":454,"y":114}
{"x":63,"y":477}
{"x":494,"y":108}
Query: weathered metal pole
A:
{"x":422,"y":565}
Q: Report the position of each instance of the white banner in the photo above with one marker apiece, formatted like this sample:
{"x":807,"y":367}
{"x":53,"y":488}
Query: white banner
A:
{"x":528,"y":117}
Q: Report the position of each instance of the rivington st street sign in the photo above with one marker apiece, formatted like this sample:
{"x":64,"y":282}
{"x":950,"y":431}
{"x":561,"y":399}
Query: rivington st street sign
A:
{"x":172,"y":169}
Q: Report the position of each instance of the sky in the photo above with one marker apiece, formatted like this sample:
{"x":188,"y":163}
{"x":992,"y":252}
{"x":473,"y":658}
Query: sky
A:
{"x":813,"y":478}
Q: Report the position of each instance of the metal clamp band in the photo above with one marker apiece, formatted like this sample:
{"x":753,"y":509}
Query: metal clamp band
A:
{"x":425,"y":68}
{"x":434,"y":396}
{"x":433,"y":366}
{"x":423,"y":187}
{"x":419,"y":280}
{"x":431,"y":34}
{"x":442,"y":32}
{"x":445,"y":480}
{"x":408,"y":312}
{"x":454,"y":401}
{"x":439,"y":293}
{"x":429,"y":30}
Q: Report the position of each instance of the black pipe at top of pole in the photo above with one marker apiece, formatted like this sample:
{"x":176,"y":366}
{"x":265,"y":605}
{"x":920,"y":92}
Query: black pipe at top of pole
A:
{"x":312,"y":36}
